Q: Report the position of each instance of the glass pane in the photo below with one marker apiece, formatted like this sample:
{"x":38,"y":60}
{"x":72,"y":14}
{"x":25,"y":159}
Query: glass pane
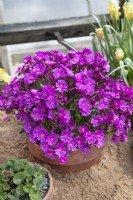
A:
{"x":100,"y":7}
{"x":17,"y":11}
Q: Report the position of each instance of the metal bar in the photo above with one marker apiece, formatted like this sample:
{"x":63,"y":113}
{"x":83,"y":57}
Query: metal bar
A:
{"x":43,"y":31}
{"x":89,"y":7}
{"x":63,"y":42}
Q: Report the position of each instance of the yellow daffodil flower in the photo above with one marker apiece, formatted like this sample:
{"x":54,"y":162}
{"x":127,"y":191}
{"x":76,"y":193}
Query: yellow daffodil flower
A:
{"x":99,"y":33}
{"x":128,"y":10}
{"x":113,"y":9}
{"x":119,"y":54}
{"x":4,"y":76}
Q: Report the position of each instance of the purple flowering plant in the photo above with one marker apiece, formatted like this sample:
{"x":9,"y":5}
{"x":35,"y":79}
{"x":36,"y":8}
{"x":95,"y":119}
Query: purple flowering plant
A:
{"x":68,"y":102}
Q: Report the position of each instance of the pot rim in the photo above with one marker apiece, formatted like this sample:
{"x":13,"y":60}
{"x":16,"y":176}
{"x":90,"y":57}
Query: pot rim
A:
{"x":50,"y":189}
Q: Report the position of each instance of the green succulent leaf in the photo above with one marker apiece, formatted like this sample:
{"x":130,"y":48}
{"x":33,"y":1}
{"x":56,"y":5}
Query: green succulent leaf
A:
{"x":3,"y":176}
{"x":20,"y":164}
{"x":4,"y":185}
{"x":29,"y":179}
{"x":34,"y":195}
{"x":1,"y":189}
{"x":11,"y":163}
{"x":19,"y":190}
{"x":3,"y":195}
{"x":39,"y":171}
{"x":37,"y":182}
{"x":29,"y":170}
{"x":26,"y":189}
{"x":13,"y":196}
{"x":19,"y":177}
{"x":4,"y":165}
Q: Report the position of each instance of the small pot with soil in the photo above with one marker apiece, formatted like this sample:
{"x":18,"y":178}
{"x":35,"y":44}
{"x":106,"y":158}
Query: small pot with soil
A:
{"x":21,"y":180}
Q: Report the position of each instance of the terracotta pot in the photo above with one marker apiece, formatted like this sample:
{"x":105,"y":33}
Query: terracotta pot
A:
{"x":49,"y":194}
{"x":76,"y":161}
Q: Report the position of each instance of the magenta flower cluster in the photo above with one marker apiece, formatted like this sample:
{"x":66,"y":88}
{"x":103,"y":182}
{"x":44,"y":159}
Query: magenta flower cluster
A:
{"x":66,"y":102}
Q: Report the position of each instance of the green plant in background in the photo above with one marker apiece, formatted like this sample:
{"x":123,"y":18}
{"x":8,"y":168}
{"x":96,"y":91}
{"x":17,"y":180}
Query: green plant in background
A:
{"x":115,"y":39}
{"x":21,"y":180}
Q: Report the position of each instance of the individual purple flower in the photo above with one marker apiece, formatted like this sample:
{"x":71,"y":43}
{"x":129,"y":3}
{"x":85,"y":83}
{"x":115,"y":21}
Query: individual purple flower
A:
{"x":106,"y":66}
{"x":118,"y":132}
{"x":123,"y":105}
{"x":79,"y":141}
{"x":7,"y":119}
{"x":102,"y":104}
{"x":79,"y":77}
{"x":100,"y":138}
{"x":71,"y":146}
{"x":50,"y":63}
{"x":63,"y":159}
{"x":66,"y":136}
{"x":124,"y":137}
{"x":61,"y":86}
{"x":90,"y":58}
{"x":72,"y":125}
{"x":90,"y":89}
{"x":51,"y":114}
{"x":64,"y":115}
{"x":105,"y":118}
{"x":81,"y":86}
{"x":52,"y":139}
{"x":44,"y":146}
{"x":39,"y":69}
{"x":114,"y":117}
{"x":60,"y":150}
{"x":9,"y":103}
{"x":40,"y":133}
{"x":58,"y":73}
{"x":83,"y":129}
{"x":47,"y":90}
{"x":116,"y":104}
{"x":86,"y":149}
{"x":48,"y":151}
{"x":84,"y":83}
{"x":96,"y":121}
{"x":35,"y":95}
{"x":115,"y":139}
{"x":22,"y":116}
{"x":69,"y":72}
{"x":27,"y":59}
{"x":32,"y":138}
{"x":28,"y":126}
{"x":38,"y":114}
{"x":51,"y":102}
{"x":30,"y":78}
{"x":75,"y":60}
{"x":129,"y":109}
{"x":90,"y":137}
{"x":120,"y":122}
{"x":85,"y":107}
{"x":115,"y":94}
